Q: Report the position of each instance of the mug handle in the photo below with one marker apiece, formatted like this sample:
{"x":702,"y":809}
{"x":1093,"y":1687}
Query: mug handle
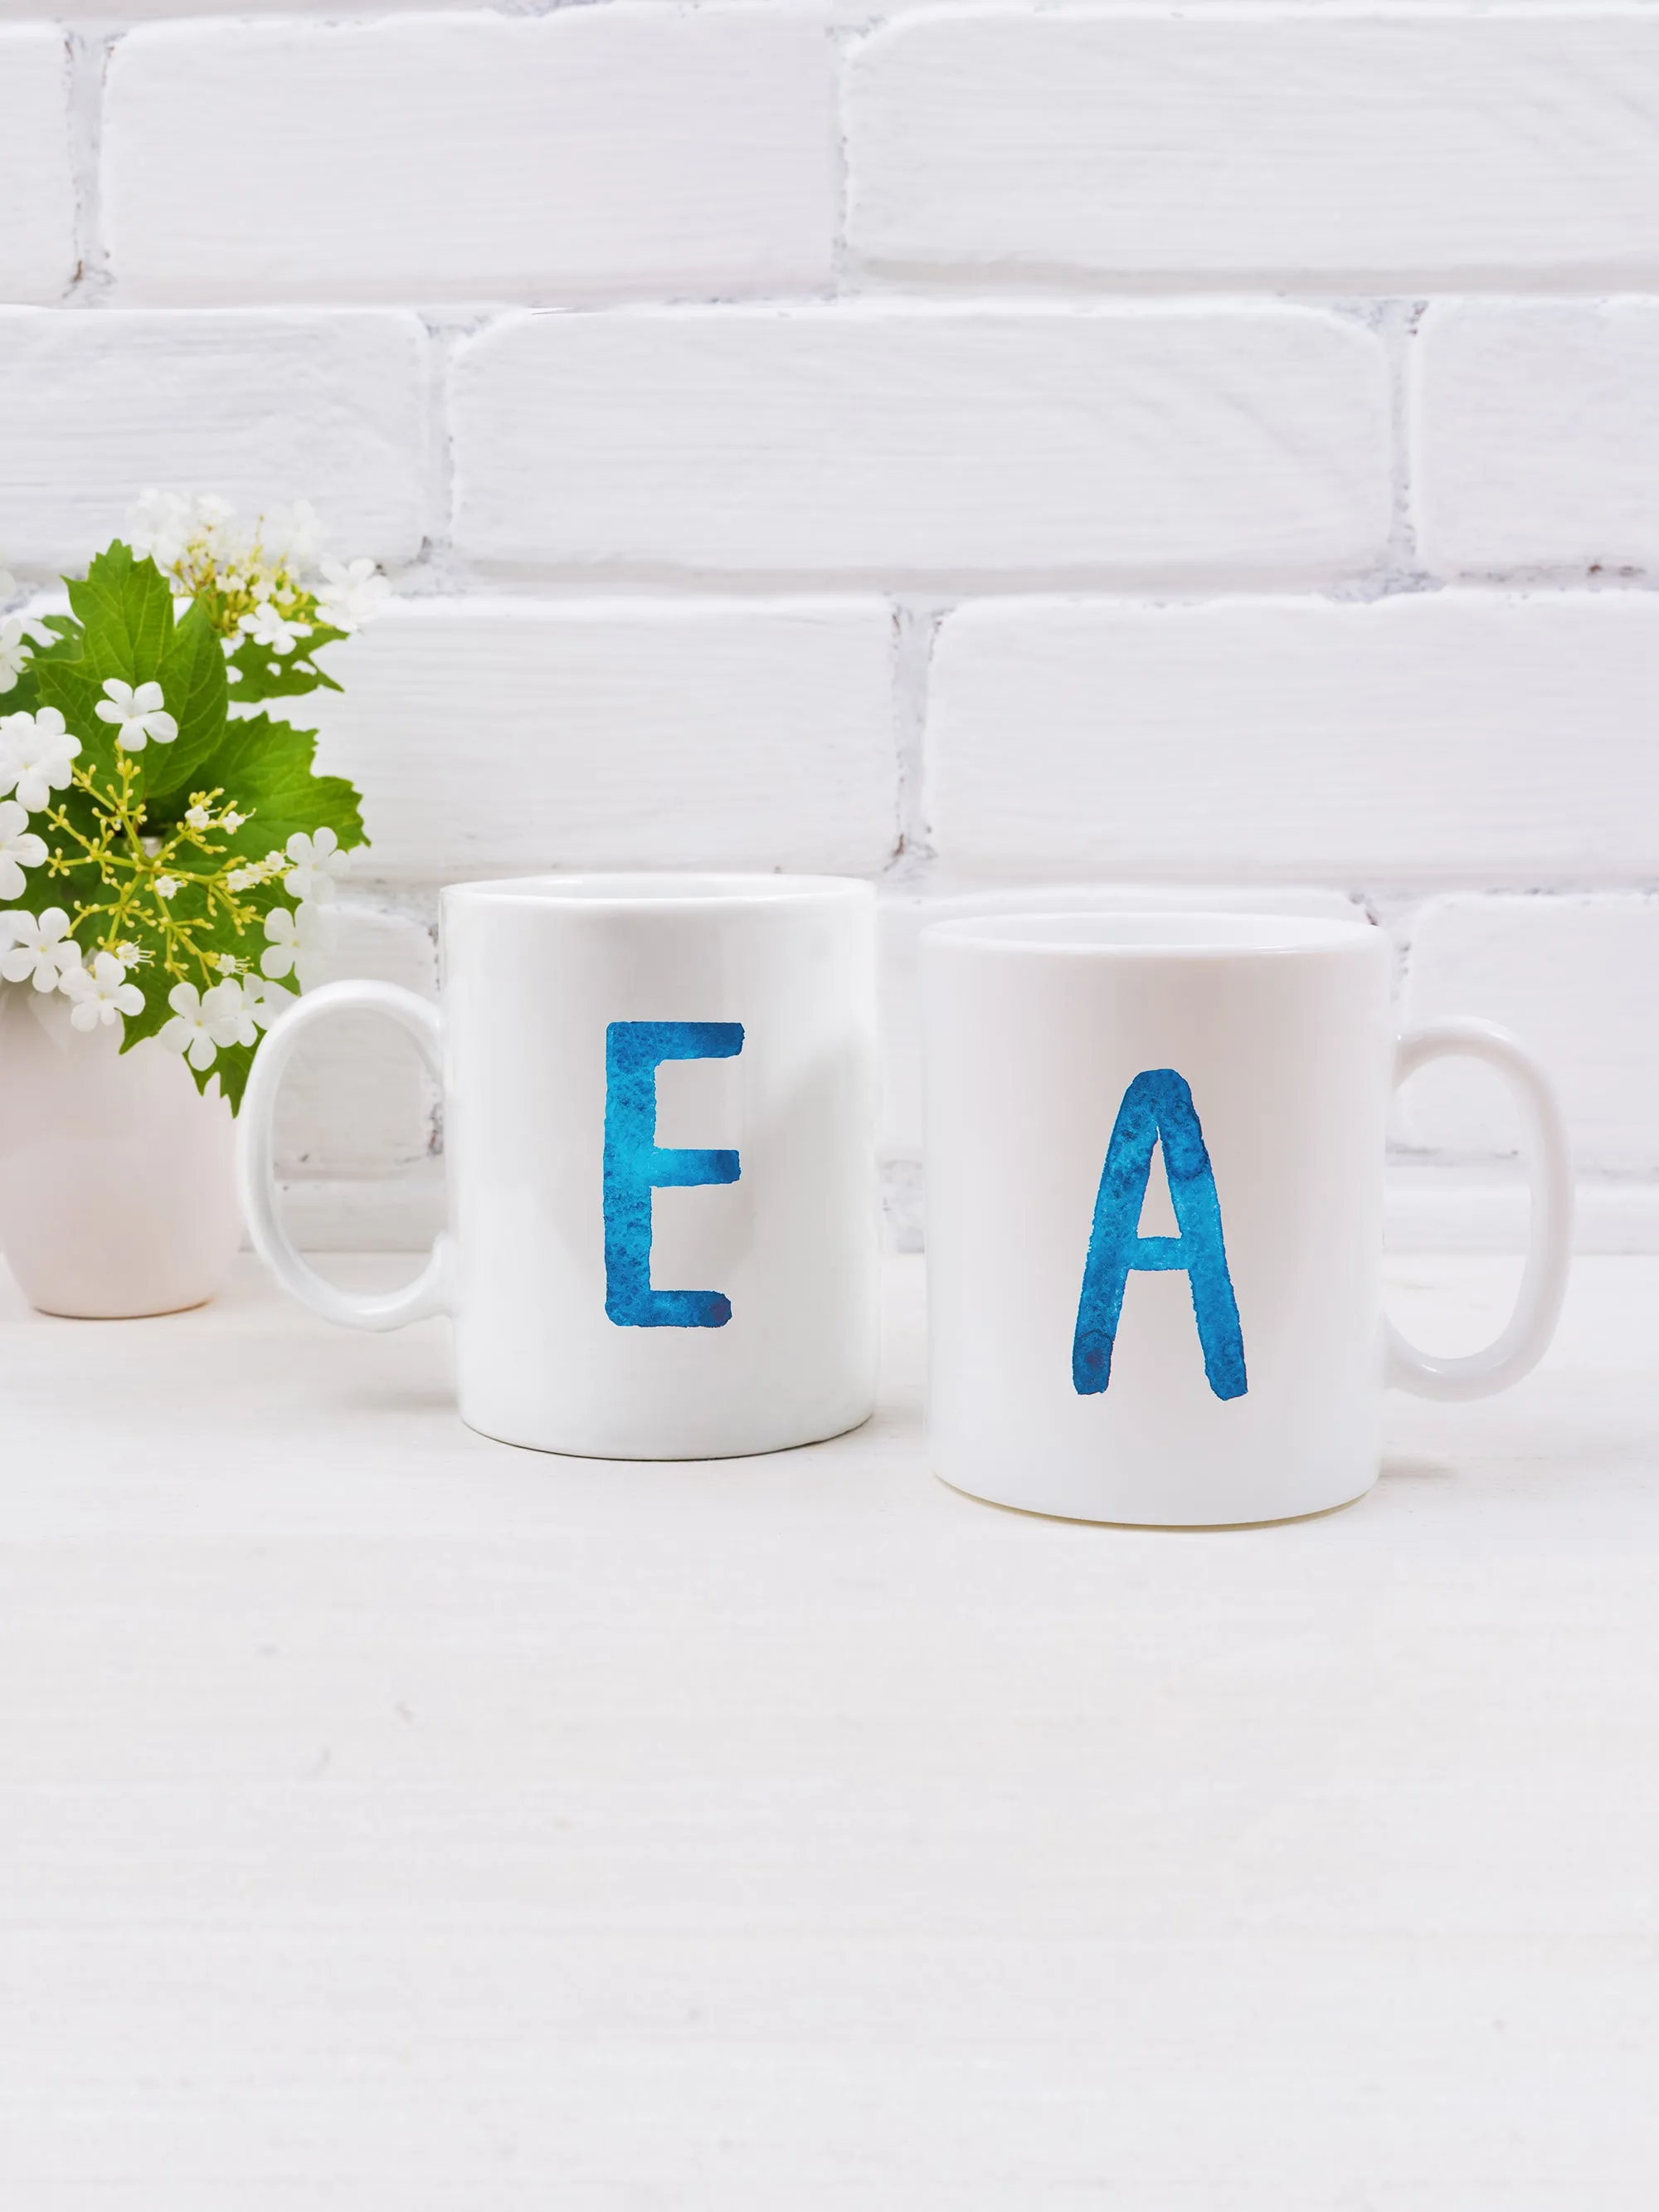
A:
{"x":430,"y":1291}
{"x":1526,"y":1336}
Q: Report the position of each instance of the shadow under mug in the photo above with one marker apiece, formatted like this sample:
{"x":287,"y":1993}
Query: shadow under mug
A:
{"x":664,"y":1235}
{"x":1230,"y":1371}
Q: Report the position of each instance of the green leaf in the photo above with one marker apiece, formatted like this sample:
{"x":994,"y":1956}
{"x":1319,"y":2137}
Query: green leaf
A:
{"x":261,"y":674}
{"x":125,"y":608}
{"x":190,"y":672}
{"x":70,"y":639}
{"x":255,"y":746}
{"x":265,"y":769}
{"x":155,"y":982}
{"x":232,"y":1065}
{"x":126,"y":632}
{"x":23,"y":695}
{"x":192,"y":680}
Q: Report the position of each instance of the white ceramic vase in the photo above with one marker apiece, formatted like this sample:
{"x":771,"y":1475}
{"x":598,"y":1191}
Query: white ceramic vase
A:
{"x":117,"y":1192}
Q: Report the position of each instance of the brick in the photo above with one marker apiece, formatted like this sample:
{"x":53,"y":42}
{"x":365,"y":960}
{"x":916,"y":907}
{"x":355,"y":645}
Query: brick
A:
{"x":398,"y":1212}
{"x":1428,"y":739}
{"x":262,"y":408}
{"x":908,"y":441}
{"x":1577,"y":979}
{"x":37,"y":184}
{"x":1384,"y":152}
{"x":1536,"y":440}
{"x":357,"y":1102}
{"x":492,"y":737}
{"x":591,"y":153}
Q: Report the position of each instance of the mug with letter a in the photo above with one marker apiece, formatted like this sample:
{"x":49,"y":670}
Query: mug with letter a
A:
{"x":660,"y":1141}
{"x":1154,"y":1200}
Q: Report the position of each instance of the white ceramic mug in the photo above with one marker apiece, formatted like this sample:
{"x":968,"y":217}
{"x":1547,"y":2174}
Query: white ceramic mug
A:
{"x":1224,"y":1365}
{"x":660,"y":1141}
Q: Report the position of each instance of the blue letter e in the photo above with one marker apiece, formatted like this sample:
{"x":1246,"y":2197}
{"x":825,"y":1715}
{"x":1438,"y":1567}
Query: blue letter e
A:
{"x":1158,"y":1107}
{"x":636,"y":1165}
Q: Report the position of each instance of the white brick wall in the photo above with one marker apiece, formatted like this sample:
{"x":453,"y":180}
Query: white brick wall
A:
{"x":264,"y":408}
{"x":37,"y":184}
{"x":901,"y":441}
{"x":594,"y":153}
{"x":1455,"y":149}
{"x":1419,"y":739}
{"x":1578,"y":977}
{"x":357,"y":1100}
{"x":506,"y":736}
{"x":1537,"y":434}
{"x":1158,"y":444}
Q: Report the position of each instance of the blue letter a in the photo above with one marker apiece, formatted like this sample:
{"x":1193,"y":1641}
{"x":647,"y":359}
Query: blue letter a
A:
{"x":636,"y":1165}
{"x":1158,"y":1107}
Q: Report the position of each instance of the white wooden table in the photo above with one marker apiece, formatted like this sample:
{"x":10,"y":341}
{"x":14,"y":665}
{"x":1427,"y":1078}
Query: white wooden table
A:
{"x":392,"y":1819}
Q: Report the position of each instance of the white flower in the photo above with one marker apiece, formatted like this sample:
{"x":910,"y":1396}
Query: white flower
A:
{"x":35,"y":752}
{"x":14,"y":654}
{"x":39,"y":952}
{"x":101,"y":992}
{"x":318,"y":865}
{"x":190,"y":1029}
{"x":292,"y":534}
{"x":160,"y":525}
{"x":17,"y":632}
{"x":264,"y":999}
{"x":204,"y":1021}
{"x":231,"y":820}
{"x":141,"y":714}
{"x":166,"y":887}
{"x":198,"y":817}
{"x":229,"y":1019}
{"x":277,"y":632}
{"x":298,"y":943}
{"x":351,"y":594}
{"x":233,"y":674}
{"x":19,"y":848}
{"x":227,"y":964}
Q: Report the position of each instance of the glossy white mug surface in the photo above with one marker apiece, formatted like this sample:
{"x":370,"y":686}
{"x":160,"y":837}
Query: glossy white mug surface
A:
{"x":1154,"y":1149}
{"x":659,"y":1144}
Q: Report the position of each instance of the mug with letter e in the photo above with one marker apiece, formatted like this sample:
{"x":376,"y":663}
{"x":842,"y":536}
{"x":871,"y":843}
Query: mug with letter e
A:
{"x":659,"y":1142}
{"x":1154,"y":1157}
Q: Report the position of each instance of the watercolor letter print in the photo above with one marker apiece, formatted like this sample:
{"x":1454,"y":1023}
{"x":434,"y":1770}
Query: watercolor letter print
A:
{"x":1158,"y":1109}
{"x":636,"y":1165}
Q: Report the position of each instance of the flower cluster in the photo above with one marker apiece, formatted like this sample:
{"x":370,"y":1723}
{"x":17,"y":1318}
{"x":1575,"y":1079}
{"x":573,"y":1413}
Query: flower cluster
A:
{"x":198,"y":852}
{"x":266,"y":589}
{"x":39,"y":950}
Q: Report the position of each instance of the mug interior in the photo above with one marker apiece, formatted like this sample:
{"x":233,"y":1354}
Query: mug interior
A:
{"x":1205,"y":935}
{"x":664,"y":888}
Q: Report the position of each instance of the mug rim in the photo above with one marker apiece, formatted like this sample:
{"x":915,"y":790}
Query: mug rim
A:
{"x":1153,"y":933}
{"x":588,"y":890}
